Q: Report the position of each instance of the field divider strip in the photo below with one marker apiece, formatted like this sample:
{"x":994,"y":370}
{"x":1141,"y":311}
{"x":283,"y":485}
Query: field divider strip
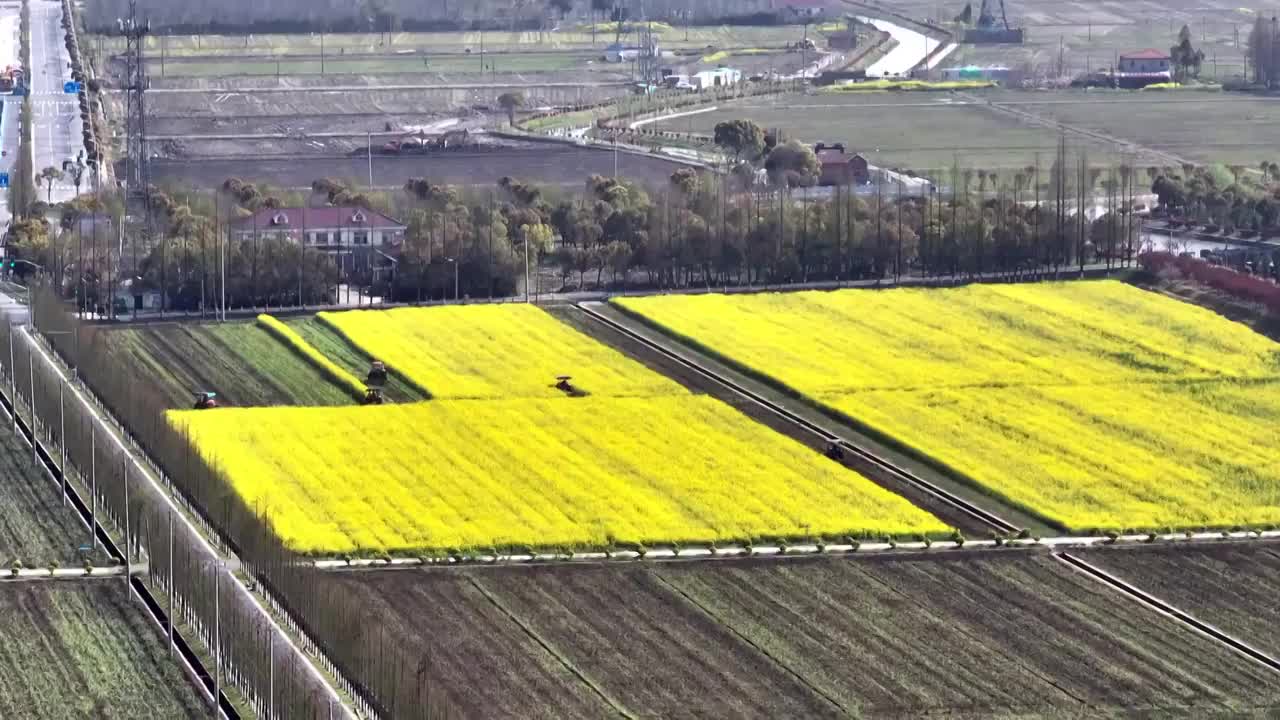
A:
{"x":1169,"y":610}
{"x":190,"y":527}
{"x":621,"y":710}
{"x":713,"y":553}
{"x":971,"y":509}
{"x":192,"y":664}
{"x":750,"y":643}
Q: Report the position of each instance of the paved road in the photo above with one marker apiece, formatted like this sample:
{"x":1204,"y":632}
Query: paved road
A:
{"x":58,"y":132}
{"x":11,"y":107}
{"x":910,"y":51}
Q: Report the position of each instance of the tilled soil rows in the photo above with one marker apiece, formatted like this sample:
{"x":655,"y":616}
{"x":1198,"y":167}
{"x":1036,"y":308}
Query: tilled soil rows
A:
{"x":1002,"y":634}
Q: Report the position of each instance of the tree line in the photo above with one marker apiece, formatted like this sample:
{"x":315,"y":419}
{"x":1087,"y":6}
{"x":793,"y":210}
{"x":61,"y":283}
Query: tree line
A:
{"x":411,"y":15}
{"x":765,"y":220}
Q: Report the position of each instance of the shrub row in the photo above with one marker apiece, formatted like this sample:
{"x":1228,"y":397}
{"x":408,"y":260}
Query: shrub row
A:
{"x":1235,"y":284}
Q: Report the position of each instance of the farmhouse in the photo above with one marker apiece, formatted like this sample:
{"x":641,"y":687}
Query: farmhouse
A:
{"x":1142,"y":68}
{"x":839,"y":168}
{"x":1145,"y":61}
{"x":366,"y":236}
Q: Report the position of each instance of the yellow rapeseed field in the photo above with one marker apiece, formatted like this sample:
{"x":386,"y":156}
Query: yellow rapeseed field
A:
{"x":474,"y":474}
{"x":1095,"y":404}
{"x":494,"y":351}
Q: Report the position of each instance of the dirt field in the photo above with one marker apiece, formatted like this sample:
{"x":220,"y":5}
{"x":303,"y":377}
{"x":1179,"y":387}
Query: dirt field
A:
{"x":546,"y":164}
{"x":83,"y":649}
{"x":998,"y":635}
{"x":1231,"y":586}
{"x":35,"y":527}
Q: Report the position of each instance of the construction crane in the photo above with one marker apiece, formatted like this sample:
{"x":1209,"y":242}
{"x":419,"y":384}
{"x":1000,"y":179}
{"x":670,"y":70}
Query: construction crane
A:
{"x":989,"y":30}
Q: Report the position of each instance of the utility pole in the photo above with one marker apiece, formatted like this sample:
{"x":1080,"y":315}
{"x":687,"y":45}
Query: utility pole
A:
{"x":62,"y":433}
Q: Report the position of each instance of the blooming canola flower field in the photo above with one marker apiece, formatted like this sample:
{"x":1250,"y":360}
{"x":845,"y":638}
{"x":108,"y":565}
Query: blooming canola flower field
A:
{"x":500,"y":458}
{"x":1096,"y":405}
{"x":493,"y":351}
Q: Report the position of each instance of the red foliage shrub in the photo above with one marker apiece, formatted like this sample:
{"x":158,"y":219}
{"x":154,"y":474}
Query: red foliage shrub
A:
{"x":1235,"y":284}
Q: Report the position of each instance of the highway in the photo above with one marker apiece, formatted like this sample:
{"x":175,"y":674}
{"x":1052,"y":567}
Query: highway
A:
{"x":10,"y":106}
{"x":58,"y":131}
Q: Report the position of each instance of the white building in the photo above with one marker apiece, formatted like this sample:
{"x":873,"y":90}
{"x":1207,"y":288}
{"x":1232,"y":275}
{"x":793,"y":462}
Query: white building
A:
{"x":720,"y":77}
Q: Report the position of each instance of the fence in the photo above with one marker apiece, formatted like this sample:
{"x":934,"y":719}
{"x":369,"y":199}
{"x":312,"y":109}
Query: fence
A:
{"x":274,"y":680}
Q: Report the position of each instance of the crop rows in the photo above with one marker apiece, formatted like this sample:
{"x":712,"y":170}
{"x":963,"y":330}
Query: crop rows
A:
{"x":1018,"y":635}
{"x":82,"y":650}
{"x":241,"y":362}
{"x":1093,"y":404}
{"x":35,"y":529}
{"x":1232,"y":587}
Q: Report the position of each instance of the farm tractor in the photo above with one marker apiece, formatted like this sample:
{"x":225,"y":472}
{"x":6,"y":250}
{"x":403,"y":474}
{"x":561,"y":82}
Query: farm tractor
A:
{"x":206,"y":401}
{"x":375,"y":381}
{"x":564,"y":383}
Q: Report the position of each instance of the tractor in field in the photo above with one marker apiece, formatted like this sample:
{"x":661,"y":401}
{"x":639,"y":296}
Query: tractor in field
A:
{"x":564,"y":383}
{"x":375,"y":381}
{"x":206,"y":401}
{"x":377,"y":376}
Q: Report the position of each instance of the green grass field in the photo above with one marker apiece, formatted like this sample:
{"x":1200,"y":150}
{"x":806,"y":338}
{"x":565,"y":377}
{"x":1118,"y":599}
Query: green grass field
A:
{"x":926,"y":131}
{"x":1207,"y":127}
{"x":240,"y":361}
{"x":84,"y":650}
{"x":350,"y":358}
{"x":918,"y":131}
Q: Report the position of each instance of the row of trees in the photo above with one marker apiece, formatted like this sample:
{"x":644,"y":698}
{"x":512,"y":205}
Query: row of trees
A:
{"x":1229,"y":198}
{"x":763,"y":222}
{"x":698,"y":229}
{"x":412,"y":15}
{"x":186,"y":581}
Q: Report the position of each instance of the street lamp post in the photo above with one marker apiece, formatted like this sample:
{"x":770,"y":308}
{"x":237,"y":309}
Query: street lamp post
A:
{"x":454,"y":262}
